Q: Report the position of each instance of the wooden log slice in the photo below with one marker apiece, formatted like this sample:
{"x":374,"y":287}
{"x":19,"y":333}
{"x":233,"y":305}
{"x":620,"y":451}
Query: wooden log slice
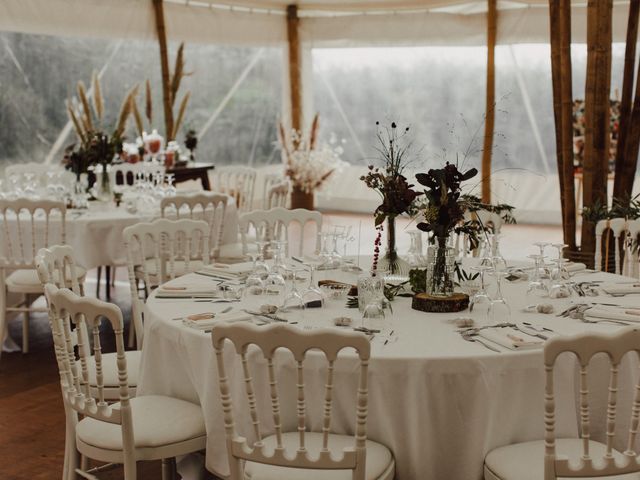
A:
{"x":428,"y":303}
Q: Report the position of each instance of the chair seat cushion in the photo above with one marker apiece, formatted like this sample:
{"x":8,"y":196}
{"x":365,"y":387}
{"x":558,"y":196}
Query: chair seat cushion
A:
{"x":157,"y":421}
{"x":525,"y":461}
{"x":29,"y":278}
{"x":110,"y":369}
{"x":379,"y":464}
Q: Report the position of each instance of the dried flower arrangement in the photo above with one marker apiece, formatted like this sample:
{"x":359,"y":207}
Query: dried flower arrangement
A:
{"x":307,"y":164}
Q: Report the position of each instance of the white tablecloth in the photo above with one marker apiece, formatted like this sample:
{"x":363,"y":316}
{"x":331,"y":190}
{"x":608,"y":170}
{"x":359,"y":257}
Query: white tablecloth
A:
{"x":96,"y":234}
{"x":438,"y":402}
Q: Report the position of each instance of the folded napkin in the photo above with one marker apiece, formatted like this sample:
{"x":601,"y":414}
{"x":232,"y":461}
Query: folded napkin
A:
{"x":573,"y":267}
{"x":621,"y":288}
{"x":205,"y":321}
{"x":613,"y":313}
{"x":187,"y":289}
{"x":511,"y":339}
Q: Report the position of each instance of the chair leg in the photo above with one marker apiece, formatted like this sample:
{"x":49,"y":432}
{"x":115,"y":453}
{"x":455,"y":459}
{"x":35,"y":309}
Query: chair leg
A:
{"x":25,"y":325}
{"x":107,"y":282}
{"x":132,"y":333}
{"x":3,"y":314}
{"x":98,"y":277}
{"x":113,"y":276}
{"x":168,"y":469}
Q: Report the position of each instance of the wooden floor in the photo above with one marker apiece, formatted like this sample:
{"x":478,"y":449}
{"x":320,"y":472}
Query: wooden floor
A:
{"x":31,"y":414}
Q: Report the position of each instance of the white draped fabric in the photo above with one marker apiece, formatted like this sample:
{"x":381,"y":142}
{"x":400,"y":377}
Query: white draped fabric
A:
{"x":96,"y":234}
{"x":264,"y":23}
{"x":439,"y":403}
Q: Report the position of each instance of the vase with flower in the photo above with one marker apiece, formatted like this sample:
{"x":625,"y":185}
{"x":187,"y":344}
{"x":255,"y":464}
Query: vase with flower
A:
{"x":308,"y":163}
{"x":395,"y":191}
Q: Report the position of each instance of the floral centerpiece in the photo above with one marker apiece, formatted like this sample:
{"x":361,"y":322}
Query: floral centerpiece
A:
{"x":307,"y":164}
{"x":443,"y":213}
{"x":395,"y":191}
{"x":95,"y":146}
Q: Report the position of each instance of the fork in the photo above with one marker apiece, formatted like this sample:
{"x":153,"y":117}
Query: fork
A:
{"x":470,"y":337}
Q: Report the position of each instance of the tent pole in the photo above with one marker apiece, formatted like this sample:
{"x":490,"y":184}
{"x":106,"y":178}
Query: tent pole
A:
{"x":625,"y":168}
{"x":596,"y":113}
{"x":492,"y":14}
{"x":158,"y":8}
{"x":295,"y":70}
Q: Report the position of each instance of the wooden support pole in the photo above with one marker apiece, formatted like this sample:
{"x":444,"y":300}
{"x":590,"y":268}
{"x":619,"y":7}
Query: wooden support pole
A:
{"x":295,"y":68}
{"x":626,"y":164}
{"x":158,"y":8}
{"x":489,"y":124}
{"x":560,"y":29}
{"x":597,"y":116}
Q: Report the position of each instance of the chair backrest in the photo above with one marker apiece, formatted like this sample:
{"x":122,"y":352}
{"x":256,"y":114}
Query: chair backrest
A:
{"x":159,"y":251}
{"x":270,"y":181}
{"x":277,"y":195}
{"x":237,"y":182}
{"x":625,"y":232}
{"x":208,"y":206}
{"x":56,"y":265}
{"x":125,"y":173}
{"x":299,"y":342}
{"x":24,"y":233}
{"x":275,"y":224}
{"x":585,"y":347}
{"x":67,"y":308}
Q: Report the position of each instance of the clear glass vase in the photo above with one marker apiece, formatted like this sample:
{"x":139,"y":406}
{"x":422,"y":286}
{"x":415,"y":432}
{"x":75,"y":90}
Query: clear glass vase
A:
{"x":102,"y":186}
{"x":391,"y":261}
{"x":370,"y":289}
{"x":440,"y":269}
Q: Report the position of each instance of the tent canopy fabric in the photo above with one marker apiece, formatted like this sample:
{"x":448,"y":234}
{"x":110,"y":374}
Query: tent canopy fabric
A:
{"x":324,"y":23}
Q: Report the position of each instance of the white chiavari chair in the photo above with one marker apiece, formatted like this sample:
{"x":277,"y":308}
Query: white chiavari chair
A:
{"x":582,"y":457}
{"x":237,"y":182}
{"x":208,"y":206}
{"x":136,"y":429}
{"x":275,"y":224}
{"x":271,"y":199}
{"x":56,"y":265}
{"x":625,"y":234}
{"x":302,"y":453}
{"x":160,"y":251}
{"x":277,"y":195}
{"x":28,"y":225}
{"x":125,"y":173}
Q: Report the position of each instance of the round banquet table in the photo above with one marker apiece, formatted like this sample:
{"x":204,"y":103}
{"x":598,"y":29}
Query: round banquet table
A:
{"x":96,"y":233}
{"x":438,"y":402}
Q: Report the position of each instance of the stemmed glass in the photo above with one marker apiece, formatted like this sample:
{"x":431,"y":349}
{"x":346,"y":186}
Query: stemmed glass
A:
{"x":313,"y":295}
{"x":261,"y":267}
{"x":254,"y":282}
{"x":294,"y":300}
{"x":496,"y":257}
{"x":537,"y":286}
{"x":499,"y":311}
{"x":481,"y":298}
{"x":559,"y":287}
{"x":170,"y":189}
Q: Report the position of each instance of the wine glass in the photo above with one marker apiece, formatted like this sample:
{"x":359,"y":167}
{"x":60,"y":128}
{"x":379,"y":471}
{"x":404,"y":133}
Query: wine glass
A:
{"x":499,"y":311}
{"x":170,"y":190}
{"x":313,"y":295}
{"x":481,"y":300}
{"x":261,"y":267}
{"x":293,"y":300}
{"x":537,"y":286}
